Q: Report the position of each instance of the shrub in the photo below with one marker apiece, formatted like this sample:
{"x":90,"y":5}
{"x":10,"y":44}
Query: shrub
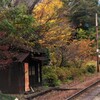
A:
{"x":50,"y":77}
{"x":90,"y":68}
{"x":48,"y":69}
{"x":74,"y":71}
{"x":83,"y":70}
{"x":60,"y":72}
{"x":91,"y":63}
{"x":53,"y":76}
{"x":86,"y":66}
{"x":69,"y":75}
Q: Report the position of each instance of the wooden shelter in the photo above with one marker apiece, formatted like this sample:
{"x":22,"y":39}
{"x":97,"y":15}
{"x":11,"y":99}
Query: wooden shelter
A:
{"x":20,"y":70}
{"x":22,"y":74}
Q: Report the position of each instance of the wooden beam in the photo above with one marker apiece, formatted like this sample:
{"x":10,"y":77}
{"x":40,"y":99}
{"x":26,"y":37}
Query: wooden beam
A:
{"x":26,"y":66}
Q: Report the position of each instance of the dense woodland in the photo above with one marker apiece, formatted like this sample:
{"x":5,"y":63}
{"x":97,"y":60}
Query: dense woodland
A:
{"x":66,"y":28}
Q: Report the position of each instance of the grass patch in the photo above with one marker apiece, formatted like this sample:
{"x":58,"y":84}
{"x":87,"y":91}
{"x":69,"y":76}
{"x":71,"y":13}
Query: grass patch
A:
{"x":6,"y":97}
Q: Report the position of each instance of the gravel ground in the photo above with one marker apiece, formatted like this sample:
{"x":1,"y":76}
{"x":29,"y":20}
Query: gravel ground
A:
{"x":90,"y":93}
{"x":97,"y":97}
{"x":62,"y":95}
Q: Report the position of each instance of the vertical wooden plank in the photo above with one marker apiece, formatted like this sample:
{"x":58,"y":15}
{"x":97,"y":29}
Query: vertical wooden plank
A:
{"x":41,"y":72}
{"x":26,"y":66}
{"x":36,"y":73}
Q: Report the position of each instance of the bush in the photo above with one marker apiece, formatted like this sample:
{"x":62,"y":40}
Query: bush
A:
{"x":6,"y":97}
{"x":89,"y":65}
{"x":53,"y":76}
{"x":90,"y":68}
{"x":75,"y":72}
{"x":83,"y":70}
{"x":50,"y":77}
{"x":60,"y":72}
{"x":69,"y":75}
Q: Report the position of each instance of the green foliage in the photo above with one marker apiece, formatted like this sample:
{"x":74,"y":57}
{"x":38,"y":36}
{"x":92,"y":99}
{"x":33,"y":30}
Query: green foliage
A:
{"x":82,"y":12}
{"x":4,"y":3}
{"x":5,"y":24}
{"x":74,"y":73}
{"x":49,"y":76}
{"x":54,"y":76}
{"x":51,"y":79}
{"x":47,"y":55}
{"x":69,"y":75}
{"x":86,"y":34}
{"x":19,"y":26}
{"x":18,"y":19}
{"x":82,"y":34}
{"x":50,"y":27}
{"x":60,"y":72}
{"x":90,"y":68}
{"x":48,"y":69}
{"x":6,"y":97}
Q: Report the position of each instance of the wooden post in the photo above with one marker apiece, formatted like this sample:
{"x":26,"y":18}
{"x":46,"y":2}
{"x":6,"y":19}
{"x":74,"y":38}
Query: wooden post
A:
{"x":26,"y":66}
{"x":36,"y":73}
{"x":97,"y":47}
{"x":41,"y":72}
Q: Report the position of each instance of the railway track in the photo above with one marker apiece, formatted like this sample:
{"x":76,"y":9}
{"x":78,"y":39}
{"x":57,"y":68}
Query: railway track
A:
{"x":74,"y":96}
{"x":61,"y":93}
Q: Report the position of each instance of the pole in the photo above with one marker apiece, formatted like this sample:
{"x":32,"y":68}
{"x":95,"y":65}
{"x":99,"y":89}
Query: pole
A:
{"x":97,"y":37}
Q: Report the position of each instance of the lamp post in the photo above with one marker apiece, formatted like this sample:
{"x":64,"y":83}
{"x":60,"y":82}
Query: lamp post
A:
{"x":97,"y":47}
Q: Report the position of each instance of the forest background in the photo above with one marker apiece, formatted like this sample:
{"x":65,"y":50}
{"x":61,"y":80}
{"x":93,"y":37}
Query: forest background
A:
{"x":65,"y":28}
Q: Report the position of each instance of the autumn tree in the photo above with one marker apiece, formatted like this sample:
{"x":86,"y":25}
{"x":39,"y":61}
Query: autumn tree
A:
{"x":53,"y":27}
{"x":79,"y":52}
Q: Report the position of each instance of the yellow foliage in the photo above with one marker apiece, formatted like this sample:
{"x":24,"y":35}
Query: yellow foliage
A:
{"x":48,"y":13}
{"x":46,"y":9}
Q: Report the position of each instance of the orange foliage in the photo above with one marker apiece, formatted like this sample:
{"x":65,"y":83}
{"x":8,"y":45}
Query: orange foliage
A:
{"x":85,"y":48}
{"x":80,"y":51}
